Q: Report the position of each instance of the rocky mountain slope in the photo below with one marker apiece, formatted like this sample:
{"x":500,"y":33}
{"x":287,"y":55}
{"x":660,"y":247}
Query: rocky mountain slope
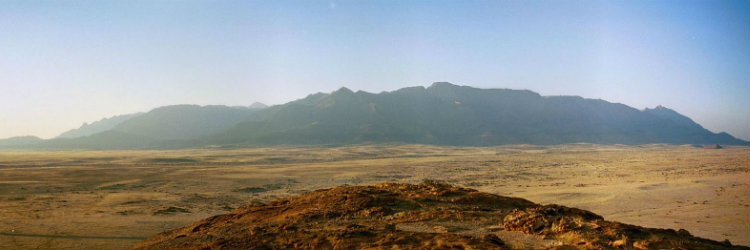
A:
{"x":427,"y":216}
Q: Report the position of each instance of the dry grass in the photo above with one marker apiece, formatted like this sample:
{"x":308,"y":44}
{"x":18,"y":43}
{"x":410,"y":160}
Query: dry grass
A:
{"x":97,"y":199}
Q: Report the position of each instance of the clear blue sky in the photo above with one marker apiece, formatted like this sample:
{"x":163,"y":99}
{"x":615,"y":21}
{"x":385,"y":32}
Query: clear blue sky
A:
{"x":63,"y":63}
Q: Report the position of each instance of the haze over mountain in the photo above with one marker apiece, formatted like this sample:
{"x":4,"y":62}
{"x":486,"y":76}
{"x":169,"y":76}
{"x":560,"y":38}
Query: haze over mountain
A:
{"x":98,"y":126}
{"x":168,"y":126}
{"x":20,"y":141}
{"x":443,"y":114}
{"x":184,"y":122}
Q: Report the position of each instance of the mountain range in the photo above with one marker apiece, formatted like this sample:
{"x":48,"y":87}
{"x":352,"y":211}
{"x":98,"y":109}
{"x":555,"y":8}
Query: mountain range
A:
{"x":442,"y":114}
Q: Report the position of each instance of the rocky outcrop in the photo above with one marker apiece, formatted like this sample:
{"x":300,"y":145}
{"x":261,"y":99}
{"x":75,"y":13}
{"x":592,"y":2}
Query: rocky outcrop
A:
{"x":405,"y":216}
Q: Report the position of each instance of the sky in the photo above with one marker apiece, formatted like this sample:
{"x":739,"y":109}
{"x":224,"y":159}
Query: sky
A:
{"x":63,"y":63}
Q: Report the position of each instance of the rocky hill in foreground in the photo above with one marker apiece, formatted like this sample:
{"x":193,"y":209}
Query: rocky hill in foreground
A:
{"x":426,"y":216}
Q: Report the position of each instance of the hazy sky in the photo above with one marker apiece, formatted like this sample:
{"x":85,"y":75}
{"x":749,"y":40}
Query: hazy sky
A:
{"x":63,"y":63}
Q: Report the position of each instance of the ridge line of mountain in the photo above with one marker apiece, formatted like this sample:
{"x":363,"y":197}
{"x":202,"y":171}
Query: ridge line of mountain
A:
{"x":441,"y":114}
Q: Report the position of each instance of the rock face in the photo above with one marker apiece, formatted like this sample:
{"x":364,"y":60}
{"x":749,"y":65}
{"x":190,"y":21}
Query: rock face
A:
{"x":426,"y":216}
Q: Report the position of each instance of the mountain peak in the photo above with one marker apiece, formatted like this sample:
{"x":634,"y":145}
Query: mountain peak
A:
{"x":258,"y":105}
{"x":442,"y":85}
{"x":669,"y":114}
{"x":343,"y":90}
{"x":662,"y":108}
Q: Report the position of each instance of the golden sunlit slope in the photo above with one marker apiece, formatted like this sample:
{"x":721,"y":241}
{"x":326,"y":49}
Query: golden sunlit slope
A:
{"x":432,"y":215}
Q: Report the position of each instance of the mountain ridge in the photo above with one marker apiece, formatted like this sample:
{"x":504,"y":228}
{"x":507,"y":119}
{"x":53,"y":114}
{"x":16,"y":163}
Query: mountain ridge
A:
{"x":441,"y":114}
{"x":102,"y":125}
{"x":409,"y":114}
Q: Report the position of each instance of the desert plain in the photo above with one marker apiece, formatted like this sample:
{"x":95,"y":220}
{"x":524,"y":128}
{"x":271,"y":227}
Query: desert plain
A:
{"x":113,"y":199}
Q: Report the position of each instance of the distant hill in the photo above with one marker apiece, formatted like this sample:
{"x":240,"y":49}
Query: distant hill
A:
{"x":19,"y":141}
{"x":447,"y":114}
{"x":96,"y":127}
{"x":184,"y":122}
{"x":164,"y":127}
{"x":257,"y":105}
{"x":443,"y":114}
{"x":109,"y":139}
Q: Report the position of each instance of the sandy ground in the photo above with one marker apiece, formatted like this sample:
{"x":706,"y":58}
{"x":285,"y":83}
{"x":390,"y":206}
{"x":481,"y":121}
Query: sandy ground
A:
{"x":112,"y":199}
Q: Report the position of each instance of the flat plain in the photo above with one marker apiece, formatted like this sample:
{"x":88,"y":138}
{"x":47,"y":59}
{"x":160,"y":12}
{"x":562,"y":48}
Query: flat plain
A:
{"x":113,"y":199}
